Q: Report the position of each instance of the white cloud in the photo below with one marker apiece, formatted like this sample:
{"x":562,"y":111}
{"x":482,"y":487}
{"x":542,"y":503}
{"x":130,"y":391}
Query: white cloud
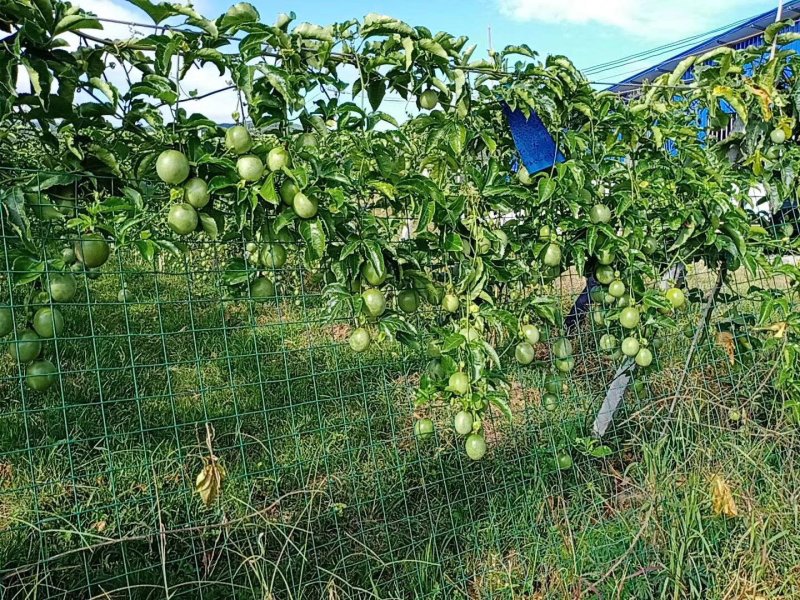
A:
{"x":654,"y":19}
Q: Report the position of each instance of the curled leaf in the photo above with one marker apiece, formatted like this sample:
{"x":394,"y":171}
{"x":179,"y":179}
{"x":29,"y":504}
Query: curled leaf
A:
{"x":722,"y":502}
{"x":209,"y":481}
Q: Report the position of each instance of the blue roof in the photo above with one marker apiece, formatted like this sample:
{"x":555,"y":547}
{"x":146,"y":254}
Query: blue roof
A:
{"x":749,"y":33}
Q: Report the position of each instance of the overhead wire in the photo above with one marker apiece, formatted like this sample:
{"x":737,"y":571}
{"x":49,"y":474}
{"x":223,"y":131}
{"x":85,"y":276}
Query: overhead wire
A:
{"x":659,"y":50}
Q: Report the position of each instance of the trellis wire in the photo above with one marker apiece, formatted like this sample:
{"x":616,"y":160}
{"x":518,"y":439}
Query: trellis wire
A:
{"x":325,"y":486}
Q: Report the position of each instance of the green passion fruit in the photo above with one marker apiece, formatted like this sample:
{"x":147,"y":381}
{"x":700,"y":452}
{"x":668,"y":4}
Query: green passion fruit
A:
{"x":600,"y":213}
{"x":562,"y":348}
{"x":549,"y":401}
{"x":372,"y":276}
{"x":182,"y":218}
{"x":423,"y":429}
{"x":172,"y":167}
{"x":629,"y":317}
{"x":304,"y":207}
{"x":62,"y":287}
{"x":475,"y":446}
{"x":458,"y":383}
{"x":273,"y":256}
{"x":238,"y":140}
{"x":524,"y":353}
{"x":605,"y":256}
{"x":644,"y":357}
{"x":630,"y":346}
{"x":288,"y":191}
{"x":428,"y":99}
{"x":408,"y":301}
{"x":249,"y":167}
{"x":616,"y":288}
{"x":531,"y":334}
{"x":604,"y":274}
{"x":195,"y":192}
{"x":262,"y":289}
{"x":374,"y":302}
{"x":565,"y":365}
{"x":462,"y":422}
{"x":26,"y":347}
{"x":552,"y":255}
{"x":41,"y":375}
{"x":525,"y":179}
{"x":277,"y":159}
{"x":564,"y":461}
{"x":777,"y":135}
{"x":676,"y":297}
{"x":359,"y":340}
{"x":554,"y":384}
{"x":450,"y":303}
{"x":48,"y":322}
{"x":92,"y":250}
{"x":608,"y":342}
{"x":6,"y":321}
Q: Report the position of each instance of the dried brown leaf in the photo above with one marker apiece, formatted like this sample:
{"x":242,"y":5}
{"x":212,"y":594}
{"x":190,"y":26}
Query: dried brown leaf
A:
{"x":722,"y":502}
{"x":209,"y":481}
{"x":726,"y":342}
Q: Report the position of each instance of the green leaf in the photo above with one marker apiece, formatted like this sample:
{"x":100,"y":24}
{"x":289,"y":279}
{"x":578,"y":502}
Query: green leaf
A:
{"x":374,"y":256}
{"x":433,"y":47}
{"x":425,"y":214}
{"x":268,"y":191}
{"x":453,"y":242}
{"x":314,"y":235}
{"x":376,"y":90}
{"x":492,"y":353}
{"x":108,"y":90}
{"x":209,"y":225}
{"x":774,"y":29}
{"x":147,"y":249}
{"x":387,"y":189}
{"x":501,"y":404}
{"x":408,"y":46}
{"x":76,"y":22}
{"x":683,"y":66}
{"x":523,"y":50}
{"x":546,"y":188}
{"x":196,"y":19}
{"x":157,"y":12}
{"x":235,"y":273}
{"x":733,"y":99}
{"x":310,"y":31}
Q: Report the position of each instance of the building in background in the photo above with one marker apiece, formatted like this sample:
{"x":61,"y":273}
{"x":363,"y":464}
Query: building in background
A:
{"x":748,"y":33}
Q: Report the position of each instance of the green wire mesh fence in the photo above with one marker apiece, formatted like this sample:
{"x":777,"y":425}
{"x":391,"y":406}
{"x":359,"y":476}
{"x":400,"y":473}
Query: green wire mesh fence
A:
{"x":324,"y":492}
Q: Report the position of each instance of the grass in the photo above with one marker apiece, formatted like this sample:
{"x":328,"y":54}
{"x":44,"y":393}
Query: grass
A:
{"x":327,"y":494}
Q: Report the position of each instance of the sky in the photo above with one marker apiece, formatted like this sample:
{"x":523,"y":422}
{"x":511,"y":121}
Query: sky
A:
{"x":590,"y":32}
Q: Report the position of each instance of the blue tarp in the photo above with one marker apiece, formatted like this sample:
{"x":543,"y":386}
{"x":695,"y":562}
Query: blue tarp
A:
{"x":535,"y":144}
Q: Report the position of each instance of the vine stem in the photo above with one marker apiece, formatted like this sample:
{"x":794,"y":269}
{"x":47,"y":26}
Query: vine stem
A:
{"x":701,"y":326}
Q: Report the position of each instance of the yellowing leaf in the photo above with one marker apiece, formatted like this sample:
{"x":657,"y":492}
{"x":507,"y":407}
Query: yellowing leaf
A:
{"x":722,"y":502}
{"x":209,"y":481}
{"x":725,"y":341}
{"x":778,"y":329}
{"x":764,"y":100}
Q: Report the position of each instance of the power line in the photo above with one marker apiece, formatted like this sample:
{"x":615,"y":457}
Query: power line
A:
{"x":658,"y":50}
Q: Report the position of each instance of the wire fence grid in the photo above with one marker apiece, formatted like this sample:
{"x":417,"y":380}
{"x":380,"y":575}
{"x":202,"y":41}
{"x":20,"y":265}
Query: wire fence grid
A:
{"x":326,"y":492}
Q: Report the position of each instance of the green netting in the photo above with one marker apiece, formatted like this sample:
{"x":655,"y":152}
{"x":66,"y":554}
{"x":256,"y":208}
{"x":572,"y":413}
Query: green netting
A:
{"x":326,"y":492}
